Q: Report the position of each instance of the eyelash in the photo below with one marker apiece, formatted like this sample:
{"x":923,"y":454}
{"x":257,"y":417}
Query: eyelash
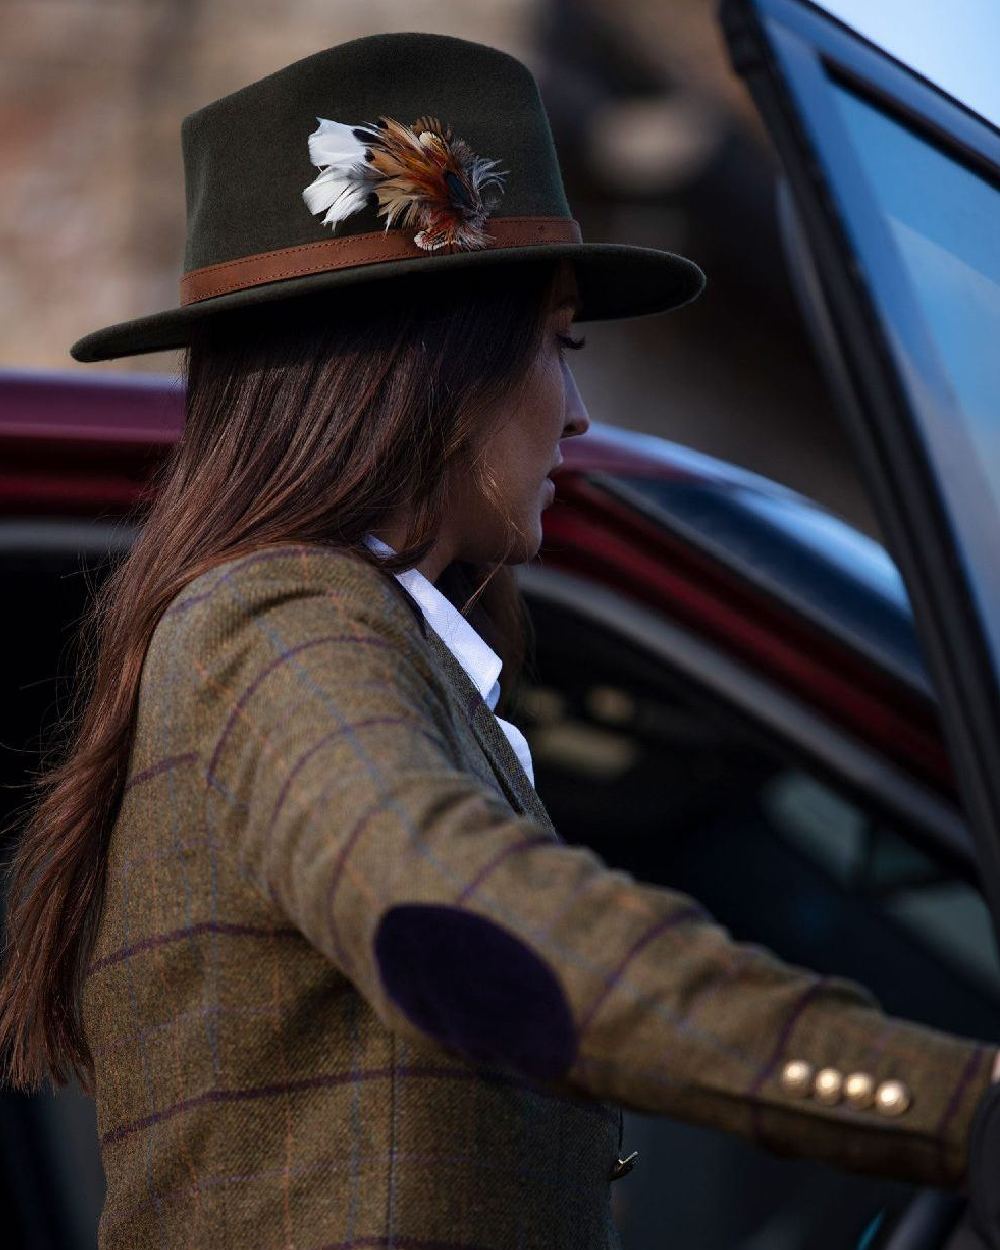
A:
{"x":574,"y":344}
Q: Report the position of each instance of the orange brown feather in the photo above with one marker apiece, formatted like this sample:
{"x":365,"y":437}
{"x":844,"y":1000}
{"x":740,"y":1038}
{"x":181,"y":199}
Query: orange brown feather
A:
{"x":434,"y":183}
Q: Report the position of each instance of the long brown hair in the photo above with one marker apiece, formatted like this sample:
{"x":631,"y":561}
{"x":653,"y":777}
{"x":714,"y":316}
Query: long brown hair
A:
{"x":307,"y":420}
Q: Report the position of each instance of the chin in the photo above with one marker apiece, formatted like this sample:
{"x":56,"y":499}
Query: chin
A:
{"x":492,"y":548}
{"x":527,"y":544}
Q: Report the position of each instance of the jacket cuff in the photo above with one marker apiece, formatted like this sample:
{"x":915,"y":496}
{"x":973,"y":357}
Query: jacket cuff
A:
{"x":984,"y":1161}
{"x":908,"y":1111}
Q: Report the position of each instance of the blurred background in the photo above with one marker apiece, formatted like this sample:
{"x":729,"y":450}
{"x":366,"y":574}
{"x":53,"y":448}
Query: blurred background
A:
{"x":658,"y":142}
{"x":659,"y":146}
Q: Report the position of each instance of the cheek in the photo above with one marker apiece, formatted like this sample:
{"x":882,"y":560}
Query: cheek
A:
{"x":542,"y":424}
{"x":522,"y":451}
{"x":545,"y":412}
{"x":555,"y":384}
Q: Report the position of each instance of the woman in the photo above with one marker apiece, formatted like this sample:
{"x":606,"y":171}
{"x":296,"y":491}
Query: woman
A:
{"x":291,"y":906}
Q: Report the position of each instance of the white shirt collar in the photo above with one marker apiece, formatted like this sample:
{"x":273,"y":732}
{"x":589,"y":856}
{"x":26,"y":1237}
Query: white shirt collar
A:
{"x":475,"y":655}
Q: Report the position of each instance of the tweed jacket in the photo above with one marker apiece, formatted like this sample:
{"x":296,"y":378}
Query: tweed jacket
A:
{"x":351,"y":988}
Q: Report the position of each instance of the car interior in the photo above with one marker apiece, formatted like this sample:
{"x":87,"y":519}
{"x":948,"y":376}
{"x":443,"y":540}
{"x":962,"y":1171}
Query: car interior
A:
{"x":784,"y":856}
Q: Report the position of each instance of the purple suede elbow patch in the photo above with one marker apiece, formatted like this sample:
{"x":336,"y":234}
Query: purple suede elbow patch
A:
{"x":475,"y":988}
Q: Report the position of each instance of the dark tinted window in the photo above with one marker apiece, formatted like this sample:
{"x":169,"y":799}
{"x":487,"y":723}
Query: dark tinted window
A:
{"x":944,"y":220}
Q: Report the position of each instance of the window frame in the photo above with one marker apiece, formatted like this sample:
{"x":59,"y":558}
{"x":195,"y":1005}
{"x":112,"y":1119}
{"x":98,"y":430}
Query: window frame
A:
{"x":787,"y":52}
{"x":786,"y":724}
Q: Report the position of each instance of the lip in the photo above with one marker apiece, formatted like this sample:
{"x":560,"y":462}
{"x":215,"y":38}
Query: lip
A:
{"x":552,"y":489}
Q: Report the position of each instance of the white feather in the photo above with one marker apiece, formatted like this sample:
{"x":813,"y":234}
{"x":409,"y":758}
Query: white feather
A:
{"x":333,"y":191}
{"x":333,"y":142}
{"x":345,"y":182}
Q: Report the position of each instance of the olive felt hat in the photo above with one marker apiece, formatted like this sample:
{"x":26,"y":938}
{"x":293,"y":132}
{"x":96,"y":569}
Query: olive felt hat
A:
{"x":378,"y":158}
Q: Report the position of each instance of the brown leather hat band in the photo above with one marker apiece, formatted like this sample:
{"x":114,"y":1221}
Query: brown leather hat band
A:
{"x":358,"y":249}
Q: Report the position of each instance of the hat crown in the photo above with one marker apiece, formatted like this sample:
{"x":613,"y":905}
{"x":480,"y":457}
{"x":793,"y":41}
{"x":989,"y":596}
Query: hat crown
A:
{"x":246,"y":155}
{"x":475,"y":184}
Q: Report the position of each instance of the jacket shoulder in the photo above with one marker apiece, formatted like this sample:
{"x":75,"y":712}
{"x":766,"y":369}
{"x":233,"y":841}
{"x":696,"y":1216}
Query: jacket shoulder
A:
{"x":334,"y":582}
{"x":276,"y":605}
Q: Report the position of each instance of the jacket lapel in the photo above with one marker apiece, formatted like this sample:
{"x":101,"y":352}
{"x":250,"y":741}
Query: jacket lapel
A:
{"x":514,"y":781}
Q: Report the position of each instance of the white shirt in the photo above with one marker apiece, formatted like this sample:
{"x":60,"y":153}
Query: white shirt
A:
{"x":475,"y":655}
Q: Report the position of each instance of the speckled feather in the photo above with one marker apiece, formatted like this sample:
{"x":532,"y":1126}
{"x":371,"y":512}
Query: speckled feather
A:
{"x":424,"y":178}
{"x":434,"y":182}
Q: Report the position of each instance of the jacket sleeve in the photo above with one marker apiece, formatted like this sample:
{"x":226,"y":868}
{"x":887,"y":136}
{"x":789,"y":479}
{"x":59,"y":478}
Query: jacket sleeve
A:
{"x":333,"y":771}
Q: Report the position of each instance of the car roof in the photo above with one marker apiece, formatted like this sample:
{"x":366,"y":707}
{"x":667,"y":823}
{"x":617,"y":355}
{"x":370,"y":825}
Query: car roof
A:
{"x":800,"y":552}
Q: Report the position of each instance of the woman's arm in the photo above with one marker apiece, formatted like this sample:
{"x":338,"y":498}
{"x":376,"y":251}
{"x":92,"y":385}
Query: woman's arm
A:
{"x":332,"y":771}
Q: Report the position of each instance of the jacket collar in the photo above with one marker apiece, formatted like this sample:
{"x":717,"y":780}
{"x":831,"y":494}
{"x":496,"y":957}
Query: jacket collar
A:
{"x":471,"y":668}
{"x":514,"y":781}
{"x":476,"y":656}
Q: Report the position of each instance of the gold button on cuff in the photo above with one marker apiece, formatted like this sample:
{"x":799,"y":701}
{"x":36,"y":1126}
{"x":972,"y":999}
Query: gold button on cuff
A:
{"x":859,"y":1089}
{"x":797,"y":1077}
{"x":892,"y":1098}
{"x":828,"y":1085}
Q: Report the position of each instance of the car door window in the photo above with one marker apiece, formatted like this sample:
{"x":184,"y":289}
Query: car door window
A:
{"x":938,"y":911}
{"x":895,"y":196}
{"x":942,"y":218}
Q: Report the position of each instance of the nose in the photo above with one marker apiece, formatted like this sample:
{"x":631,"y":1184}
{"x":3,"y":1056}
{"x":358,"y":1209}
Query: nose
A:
{"x":577,"y":420}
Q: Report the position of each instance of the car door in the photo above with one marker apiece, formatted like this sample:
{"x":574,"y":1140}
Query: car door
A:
{"x":742,"y":789}
{"x":895,"y":193}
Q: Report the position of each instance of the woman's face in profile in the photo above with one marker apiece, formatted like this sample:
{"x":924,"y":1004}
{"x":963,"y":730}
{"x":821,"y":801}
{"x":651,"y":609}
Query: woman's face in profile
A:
{"x":518,"y":457}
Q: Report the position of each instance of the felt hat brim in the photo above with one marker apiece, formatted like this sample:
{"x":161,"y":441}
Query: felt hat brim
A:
{"x":615,"y":280}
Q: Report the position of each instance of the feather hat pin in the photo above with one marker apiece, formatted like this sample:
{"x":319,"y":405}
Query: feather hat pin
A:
{"x":422,"y":175}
